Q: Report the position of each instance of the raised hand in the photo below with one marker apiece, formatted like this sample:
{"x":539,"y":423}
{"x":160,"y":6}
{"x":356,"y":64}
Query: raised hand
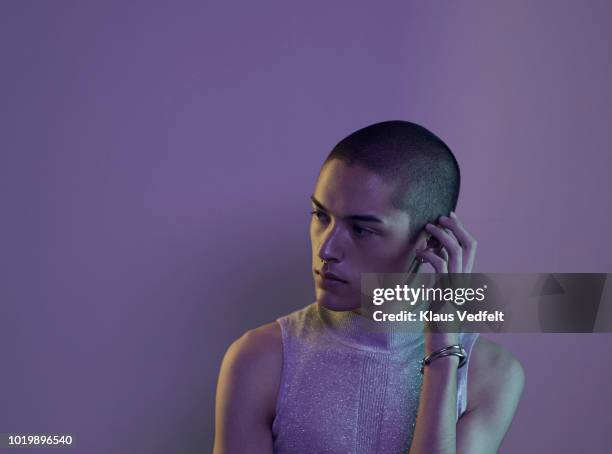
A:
{"x":455,"y":255}
{"x":458,"y":247}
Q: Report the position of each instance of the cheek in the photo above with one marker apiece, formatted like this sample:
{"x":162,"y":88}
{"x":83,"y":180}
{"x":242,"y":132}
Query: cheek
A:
{"x":400,"y":257}
{"x":315,"y":239}
{"x":313,"y":234}
{"x":386,"y":256}
{"x":315,"y":226}
{"x":370,"y":260}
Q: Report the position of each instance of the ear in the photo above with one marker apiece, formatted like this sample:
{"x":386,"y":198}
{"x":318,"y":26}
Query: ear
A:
{"x":423,"y":240}
{"x":433,"y":242}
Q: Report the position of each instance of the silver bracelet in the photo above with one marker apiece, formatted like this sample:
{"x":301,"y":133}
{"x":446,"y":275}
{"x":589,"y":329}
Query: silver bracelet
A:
{"x":454,"y":350}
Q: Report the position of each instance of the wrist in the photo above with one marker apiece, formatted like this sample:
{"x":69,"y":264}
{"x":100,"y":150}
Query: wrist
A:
{"x":443,"y":365}
{"x":437,"y":341}
{"x":455,"y":350}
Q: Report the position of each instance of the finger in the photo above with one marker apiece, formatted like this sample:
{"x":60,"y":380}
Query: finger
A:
{"x":466,"y":240}
{"x":452,"y":246}
{"x":442,"y":253}
{"x":437,"y":262}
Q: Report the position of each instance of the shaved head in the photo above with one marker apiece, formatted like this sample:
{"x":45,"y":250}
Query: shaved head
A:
{"x":418,"y":163}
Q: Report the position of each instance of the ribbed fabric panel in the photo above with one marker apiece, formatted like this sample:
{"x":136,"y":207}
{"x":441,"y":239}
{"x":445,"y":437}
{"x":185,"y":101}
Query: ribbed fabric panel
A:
{"x":347,"y":388}
{"x":372,"y":393}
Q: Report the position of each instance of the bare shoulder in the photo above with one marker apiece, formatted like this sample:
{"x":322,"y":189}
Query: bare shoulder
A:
{"x":262,"y":344}
{"x":246,"y":391}
{"x":250,"y":371}
{"x":495,"y":378}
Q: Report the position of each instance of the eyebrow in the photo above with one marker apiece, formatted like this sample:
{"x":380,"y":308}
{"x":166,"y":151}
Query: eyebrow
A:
{"x":354,"y":217}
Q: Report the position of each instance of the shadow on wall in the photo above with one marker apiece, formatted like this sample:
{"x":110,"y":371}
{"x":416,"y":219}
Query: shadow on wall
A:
{"x":262,"y":280}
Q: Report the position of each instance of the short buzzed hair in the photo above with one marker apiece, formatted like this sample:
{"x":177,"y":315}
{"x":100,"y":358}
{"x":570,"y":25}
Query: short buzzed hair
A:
{"x":415,"y":159}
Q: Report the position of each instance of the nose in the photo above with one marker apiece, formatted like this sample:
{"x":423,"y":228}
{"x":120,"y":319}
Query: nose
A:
{"x":331,"y":247}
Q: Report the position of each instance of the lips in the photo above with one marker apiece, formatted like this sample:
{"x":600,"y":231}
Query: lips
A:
{"x":330,"y":276}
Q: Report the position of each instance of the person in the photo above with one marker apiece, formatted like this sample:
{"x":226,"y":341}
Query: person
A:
{"x":319,"y":379}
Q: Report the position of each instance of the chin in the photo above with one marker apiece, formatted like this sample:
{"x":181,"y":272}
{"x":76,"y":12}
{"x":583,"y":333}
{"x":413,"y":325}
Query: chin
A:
{"x":334,"y":302}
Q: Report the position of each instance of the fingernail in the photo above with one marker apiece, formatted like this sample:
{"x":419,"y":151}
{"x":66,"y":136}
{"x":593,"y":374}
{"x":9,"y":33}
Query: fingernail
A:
{"x":452,"y":213}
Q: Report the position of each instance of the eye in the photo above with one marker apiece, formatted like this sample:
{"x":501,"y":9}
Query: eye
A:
{"x":361,"y":232}
{"x":320,"y":215}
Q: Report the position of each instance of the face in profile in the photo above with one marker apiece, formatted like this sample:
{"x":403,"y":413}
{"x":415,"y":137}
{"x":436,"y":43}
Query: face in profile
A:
{"x":355,"y":229}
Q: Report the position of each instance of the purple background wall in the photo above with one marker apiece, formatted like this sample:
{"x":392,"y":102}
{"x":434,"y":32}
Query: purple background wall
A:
{"x":156,"y":163}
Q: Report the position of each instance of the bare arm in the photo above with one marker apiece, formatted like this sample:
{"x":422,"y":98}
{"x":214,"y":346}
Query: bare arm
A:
{"x":495,"y":385}
{"x":435,"y":429}
{"x":246,"y":392}
{"x":495,"y":377}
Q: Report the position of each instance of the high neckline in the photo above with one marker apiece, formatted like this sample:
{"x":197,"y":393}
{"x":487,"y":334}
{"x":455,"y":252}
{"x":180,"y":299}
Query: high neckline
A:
{"x":366,"y":334}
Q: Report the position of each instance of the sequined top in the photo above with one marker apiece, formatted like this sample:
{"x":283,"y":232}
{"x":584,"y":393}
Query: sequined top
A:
{"x":348,"y":388}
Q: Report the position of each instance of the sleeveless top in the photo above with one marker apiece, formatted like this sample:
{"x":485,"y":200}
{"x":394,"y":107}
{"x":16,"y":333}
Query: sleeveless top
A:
{"x":347,"y":387}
